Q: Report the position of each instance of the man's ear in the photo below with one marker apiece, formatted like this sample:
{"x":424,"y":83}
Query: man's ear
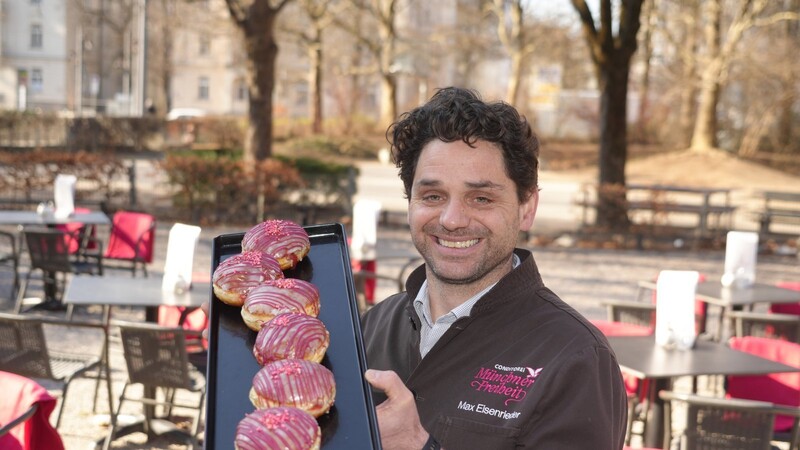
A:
{"x":527,"y":211}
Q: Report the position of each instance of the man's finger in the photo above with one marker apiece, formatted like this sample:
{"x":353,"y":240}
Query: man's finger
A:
{"x":387,"y":381}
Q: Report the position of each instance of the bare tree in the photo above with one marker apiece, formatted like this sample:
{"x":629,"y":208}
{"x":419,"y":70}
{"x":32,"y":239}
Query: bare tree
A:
{"x":515,"y":38}
{"x":320,"y":16}
{"x":256,"y":21}
{"x":720,"y":52}
{"x":379,"y":38}
{"x":611,"y":56}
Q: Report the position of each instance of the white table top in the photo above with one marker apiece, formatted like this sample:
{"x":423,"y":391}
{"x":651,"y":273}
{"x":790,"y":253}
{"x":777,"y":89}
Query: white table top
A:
{"x":122,"y":290}
{"x":33,"y":218}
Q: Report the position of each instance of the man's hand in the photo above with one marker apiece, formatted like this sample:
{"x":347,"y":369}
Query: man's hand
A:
{"x":398,"y":419}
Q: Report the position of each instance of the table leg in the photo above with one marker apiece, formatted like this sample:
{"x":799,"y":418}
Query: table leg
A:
{"x":654,"y":428}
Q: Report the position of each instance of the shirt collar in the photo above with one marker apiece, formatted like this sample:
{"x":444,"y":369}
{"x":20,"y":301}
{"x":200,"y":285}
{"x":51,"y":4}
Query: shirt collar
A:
{"x":423,"y":307}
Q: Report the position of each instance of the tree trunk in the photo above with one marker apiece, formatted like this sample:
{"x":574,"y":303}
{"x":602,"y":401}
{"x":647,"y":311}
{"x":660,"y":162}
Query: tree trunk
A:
{"x":315,"y":83}
{"x":262,"y":52}
{"x":612,"y":208}
{"x":388,"y":99}
{"x":705,"y":128}
{"x":647,"y":54}
{"x":514,"y":80}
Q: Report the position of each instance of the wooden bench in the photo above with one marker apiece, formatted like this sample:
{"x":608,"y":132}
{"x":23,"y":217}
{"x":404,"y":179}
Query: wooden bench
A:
{"x":779,"y":207}
{"x":661,"y":202}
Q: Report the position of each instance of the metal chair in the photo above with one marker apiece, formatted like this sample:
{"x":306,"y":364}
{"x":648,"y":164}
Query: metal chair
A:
{"x":131,"y":241}
{"x":770,"y":325}
{"x":49,"y":253}
{"x":9,"y":256}
{"x":719,"y":423}
{"x":778,"y":388}
{"x":24,"y":351}
{"x":156,"y":357}
{"x":25,"y":409}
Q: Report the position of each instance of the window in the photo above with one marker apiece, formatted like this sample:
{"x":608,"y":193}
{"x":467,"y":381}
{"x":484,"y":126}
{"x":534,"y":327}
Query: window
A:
{"x":205,"y":45}
{"x":37,"y":80}
{"x":202,"y":88}
{"x":36,"y":35}
{"x":241,"y":90}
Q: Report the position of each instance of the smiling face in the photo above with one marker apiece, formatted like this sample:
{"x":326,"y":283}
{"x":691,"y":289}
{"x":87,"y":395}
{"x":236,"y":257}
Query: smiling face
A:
{"x":464,"y":213}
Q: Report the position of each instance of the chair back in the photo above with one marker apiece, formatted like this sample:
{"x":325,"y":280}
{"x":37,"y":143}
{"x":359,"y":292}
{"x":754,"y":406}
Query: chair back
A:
{"x":787,"y":308}
{"x":48,"y":250}
{"x":778,"y":388}
{"x":132,"y":237}
{"x":179,"y":262}
{"x":77,"y":231}
{"x":23,"y":348}
{"x":716,"y":423}
{"x":155,"y":355}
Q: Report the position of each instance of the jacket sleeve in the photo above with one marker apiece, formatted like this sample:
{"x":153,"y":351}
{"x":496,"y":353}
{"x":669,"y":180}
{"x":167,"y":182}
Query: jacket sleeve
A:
{"x":585,"y":406}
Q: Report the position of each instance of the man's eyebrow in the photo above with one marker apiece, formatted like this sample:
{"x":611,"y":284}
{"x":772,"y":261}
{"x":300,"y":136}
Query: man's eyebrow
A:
{"x":484,"y":184}
{"x":428,"y":182}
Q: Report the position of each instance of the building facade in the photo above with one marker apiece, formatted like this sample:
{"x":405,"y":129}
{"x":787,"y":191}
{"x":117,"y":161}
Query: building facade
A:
{"x":37,"y":55}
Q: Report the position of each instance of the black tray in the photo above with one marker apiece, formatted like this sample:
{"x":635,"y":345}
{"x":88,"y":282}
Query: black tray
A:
{"x":351,"y":423}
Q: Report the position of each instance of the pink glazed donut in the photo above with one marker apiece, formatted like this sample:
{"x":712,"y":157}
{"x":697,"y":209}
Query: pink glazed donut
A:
{"x":273,"y":297}
{"x":236,"y":276}
{"x":291,"y":336}
{"x":284,"y":240}
{"x":281,"y":428}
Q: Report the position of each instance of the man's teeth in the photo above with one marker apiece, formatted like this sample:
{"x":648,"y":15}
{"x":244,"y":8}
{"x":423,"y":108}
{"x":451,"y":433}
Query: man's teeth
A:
{"x":458,"y":244}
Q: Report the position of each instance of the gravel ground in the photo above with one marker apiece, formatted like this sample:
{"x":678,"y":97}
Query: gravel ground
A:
{"x":584,"y":278}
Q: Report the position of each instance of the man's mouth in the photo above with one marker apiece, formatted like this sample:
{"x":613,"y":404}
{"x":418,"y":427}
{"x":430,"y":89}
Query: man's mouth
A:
{"x":458,"y":244}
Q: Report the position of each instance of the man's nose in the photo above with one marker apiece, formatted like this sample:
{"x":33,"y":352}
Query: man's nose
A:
{"x":454,"y":215}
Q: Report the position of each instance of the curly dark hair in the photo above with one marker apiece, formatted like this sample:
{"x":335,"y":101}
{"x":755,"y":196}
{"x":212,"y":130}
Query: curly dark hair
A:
{"x":459,"y":114}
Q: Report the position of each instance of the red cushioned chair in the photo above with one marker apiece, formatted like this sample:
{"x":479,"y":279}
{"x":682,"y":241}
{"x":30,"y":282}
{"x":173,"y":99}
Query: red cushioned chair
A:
{"x":28,"y":405}
{"x":77,"y":232}
{"x":626,"y":318}
{"x":787,"y":308}
{"x":778,"y":388}
{"x":131,"y":240}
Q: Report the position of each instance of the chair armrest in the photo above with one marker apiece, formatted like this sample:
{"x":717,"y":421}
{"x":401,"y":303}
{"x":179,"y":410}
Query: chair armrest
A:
{"x":20,"y":419}
{"x":766,"y":324}
{"x":722,"y":402}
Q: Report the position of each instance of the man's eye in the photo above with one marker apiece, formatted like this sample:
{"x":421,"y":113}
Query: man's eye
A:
{"x":431,"y":197}
{"x":483,"y":200}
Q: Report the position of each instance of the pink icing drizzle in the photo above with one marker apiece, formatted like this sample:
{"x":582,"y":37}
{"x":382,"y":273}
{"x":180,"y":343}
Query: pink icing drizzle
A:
{"x":304,"y":384}
{"x":290,"y":336}
{"x":278,"y":238}
{"x":277,"y":428}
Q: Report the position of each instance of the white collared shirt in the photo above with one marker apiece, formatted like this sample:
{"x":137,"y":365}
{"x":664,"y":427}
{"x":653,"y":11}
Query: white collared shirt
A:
{"x":431,"y":331}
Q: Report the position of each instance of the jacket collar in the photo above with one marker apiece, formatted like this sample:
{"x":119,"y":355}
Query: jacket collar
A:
{"x":524,"y":278}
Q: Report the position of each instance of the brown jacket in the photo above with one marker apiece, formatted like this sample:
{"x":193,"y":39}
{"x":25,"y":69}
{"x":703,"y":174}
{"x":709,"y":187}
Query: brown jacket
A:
{"x":524,"y":370}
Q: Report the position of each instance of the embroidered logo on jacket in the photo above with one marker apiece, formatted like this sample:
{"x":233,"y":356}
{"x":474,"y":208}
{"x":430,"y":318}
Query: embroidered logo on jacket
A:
{"x":513,"y":383}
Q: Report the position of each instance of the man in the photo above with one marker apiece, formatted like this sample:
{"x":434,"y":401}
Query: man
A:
{"x":478,"y":353}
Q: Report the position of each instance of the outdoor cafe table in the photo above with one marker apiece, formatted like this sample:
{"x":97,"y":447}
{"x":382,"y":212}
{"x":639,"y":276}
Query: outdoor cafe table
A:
{"x":33,"y":218}
{"x":22,"y":218}
{"x":120,"y":290}
{"x":642,"y":358}
{"x":729,"y":298}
